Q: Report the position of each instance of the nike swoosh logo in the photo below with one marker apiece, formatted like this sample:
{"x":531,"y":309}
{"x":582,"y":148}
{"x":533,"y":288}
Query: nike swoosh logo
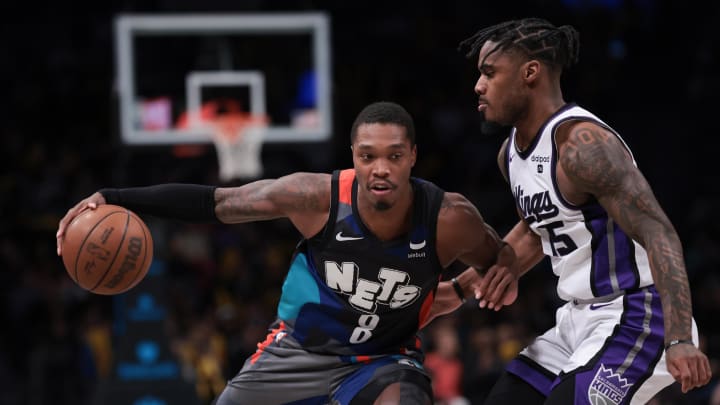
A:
{"x":417,"y":246}
{"x":341,"y":238}
{"x":598,"y":306}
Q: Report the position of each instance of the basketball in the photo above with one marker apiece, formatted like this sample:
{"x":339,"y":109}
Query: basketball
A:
{"x":107,"y":250}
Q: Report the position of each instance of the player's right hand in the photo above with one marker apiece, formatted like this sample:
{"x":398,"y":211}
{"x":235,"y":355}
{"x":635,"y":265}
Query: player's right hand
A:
{"x":91,"y":202}
{"x":688,"y":365}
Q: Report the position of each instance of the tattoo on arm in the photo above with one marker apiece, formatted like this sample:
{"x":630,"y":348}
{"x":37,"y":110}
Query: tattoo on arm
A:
{"x":268,"y":199}
{"x":596,"y":161}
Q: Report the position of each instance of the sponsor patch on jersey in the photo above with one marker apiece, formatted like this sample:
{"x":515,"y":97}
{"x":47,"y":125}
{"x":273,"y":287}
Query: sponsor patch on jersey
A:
{"x":540,"y":159}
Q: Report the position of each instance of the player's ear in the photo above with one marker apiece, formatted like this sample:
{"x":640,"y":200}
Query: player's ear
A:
{"x":413,"y":155}
{"x":531,"y":70}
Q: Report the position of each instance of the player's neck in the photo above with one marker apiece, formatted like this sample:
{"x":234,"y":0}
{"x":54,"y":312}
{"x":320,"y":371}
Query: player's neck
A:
{"x":391,"y":223}
{"x":527,"y":129}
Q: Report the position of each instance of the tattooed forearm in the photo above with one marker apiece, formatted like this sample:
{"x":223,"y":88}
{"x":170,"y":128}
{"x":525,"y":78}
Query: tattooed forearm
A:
{"x":268,"y":199}
{"x":596,"y":162}
{"x":668,"y":267}
{"x":242,"y":204}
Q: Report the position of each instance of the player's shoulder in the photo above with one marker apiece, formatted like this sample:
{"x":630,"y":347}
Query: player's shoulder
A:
{"x":459,"y":226}
{"x":456,"y":208}
{"x":452,"y":198}
{"x":576,"y":129}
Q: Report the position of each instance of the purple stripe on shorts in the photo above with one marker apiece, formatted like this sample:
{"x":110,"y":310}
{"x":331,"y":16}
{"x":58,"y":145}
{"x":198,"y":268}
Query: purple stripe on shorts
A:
{"x":541,"y":381}
{"x":630,"y":355}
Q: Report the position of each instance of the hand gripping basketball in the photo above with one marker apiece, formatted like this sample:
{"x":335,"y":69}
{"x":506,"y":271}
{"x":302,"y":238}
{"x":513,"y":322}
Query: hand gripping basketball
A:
{"x":105,"y":250}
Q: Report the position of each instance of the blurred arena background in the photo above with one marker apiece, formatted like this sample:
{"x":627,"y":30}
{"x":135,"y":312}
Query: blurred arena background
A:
{"x":649,"y":68}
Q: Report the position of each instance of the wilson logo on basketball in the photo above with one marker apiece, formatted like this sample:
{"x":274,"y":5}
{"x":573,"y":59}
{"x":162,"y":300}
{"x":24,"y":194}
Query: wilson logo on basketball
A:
{"x":98,"y":251}
{"x":129,"y":262}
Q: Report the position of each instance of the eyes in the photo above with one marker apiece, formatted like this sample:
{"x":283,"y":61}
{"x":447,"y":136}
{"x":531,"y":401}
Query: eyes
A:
{"x":367,"y":157}
{"x":486,"y":72}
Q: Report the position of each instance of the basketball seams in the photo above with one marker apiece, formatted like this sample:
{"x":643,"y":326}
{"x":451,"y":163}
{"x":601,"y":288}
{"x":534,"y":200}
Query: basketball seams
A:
{"x":117,"y":251}
{"x":82,"y":244}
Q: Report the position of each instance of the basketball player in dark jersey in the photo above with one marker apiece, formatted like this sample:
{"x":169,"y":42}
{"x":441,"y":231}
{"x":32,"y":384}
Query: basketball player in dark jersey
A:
{"x":361,"y":283}
{"x":626,"y":330}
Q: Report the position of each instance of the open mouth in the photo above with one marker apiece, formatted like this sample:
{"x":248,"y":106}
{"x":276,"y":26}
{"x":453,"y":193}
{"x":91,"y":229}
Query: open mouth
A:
{"x":381,"y":188}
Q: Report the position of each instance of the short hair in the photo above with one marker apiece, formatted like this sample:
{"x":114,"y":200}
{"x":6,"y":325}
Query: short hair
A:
{"x":559,"y":47}
{"x":385,"y":112}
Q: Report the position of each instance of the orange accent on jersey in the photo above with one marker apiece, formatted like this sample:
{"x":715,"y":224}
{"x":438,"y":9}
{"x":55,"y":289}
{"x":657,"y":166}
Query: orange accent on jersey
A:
{"x":425,"y":309}
{"x":345,"y":184}
{"x":362,"y":359}
{"x":269,"y":339}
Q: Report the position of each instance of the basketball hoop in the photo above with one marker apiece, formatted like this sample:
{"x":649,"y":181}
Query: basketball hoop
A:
{"x":238,"y":138}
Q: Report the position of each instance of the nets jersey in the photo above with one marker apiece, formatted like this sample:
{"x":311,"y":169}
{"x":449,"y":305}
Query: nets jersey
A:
{"x":349,"y":293}
{"x":590,"y":254}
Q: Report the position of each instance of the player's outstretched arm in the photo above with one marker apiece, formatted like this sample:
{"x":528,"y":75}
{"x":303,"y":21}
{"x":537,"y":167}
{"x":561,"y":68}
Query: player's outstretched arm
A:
{"x":595,"y":162}
{"x":302,"y":197}
{"x":448,"y":297}
{"x":463,"y":235}
{"x":528,"y":252}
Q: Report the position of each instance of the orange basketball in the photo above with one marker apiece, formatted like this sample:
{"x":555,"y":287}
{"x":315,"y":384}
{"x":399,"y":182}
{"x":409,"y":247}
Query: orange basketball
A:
{"x":107,"y":250}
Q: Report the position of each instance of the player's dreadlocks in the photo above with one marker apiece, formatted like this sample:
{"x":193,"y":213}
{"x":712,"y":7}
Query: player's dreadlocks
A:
{"x":537,"y":38}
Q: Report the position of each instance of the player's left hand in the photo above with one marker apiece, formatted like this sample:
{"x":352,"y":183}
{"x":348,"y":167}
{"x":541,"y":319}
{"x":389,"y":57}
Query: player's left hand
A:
{"x":688,"y":365}
{"x":89,"y":203}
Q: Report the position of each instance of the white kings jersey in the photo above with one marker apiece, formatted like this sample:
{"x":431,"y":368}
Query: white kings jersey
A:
{"x":590,"y":254}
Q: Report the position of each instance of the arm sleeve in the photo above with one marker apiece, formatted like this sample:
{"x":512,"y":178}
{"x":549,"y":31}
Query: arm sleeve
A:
{"x":185,"y":202}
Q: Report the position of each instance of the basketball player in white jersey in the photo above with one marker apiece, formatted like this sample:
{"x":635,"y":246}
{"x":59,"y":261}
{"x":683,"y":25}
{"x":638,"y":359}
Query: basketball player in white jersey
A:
{"x":626,"y":330}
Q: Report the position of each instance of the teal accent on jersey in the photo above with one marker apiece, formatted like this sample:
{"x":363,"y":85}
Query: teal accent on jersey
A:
{"x":299,"y":289}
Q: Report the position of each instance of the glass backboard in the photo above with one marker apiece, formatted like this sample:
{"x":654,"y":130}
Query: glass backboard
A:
{"x":277,"y":65}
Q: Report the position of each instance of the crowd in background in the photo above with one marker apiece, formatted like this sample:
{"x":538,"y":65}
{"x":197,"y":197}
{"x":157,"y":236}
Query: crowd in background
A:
{"x":648,"y":68}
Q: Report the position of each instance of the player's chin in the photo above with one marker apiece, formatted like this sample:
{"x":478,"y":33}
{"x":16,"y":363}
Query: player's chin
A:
{"x":382,"y":204}
{"x":492,"y":118}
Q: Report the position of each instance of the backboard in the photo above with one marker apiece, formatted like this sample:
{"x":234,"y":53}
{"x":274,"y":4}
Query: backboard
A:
{"x":277,"y":65}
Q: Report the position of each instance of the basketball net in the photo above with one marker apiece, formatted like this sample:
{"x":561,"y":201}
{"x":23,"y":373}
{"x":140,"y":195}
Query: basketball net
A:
{"x":238,"y":138}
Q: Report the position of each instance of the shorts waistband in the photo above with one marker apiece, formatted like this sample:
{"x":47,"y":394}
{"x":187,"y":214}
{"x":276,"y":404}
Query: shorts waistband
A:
{"x":596,"y":300}
{"x":607,"y":298}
